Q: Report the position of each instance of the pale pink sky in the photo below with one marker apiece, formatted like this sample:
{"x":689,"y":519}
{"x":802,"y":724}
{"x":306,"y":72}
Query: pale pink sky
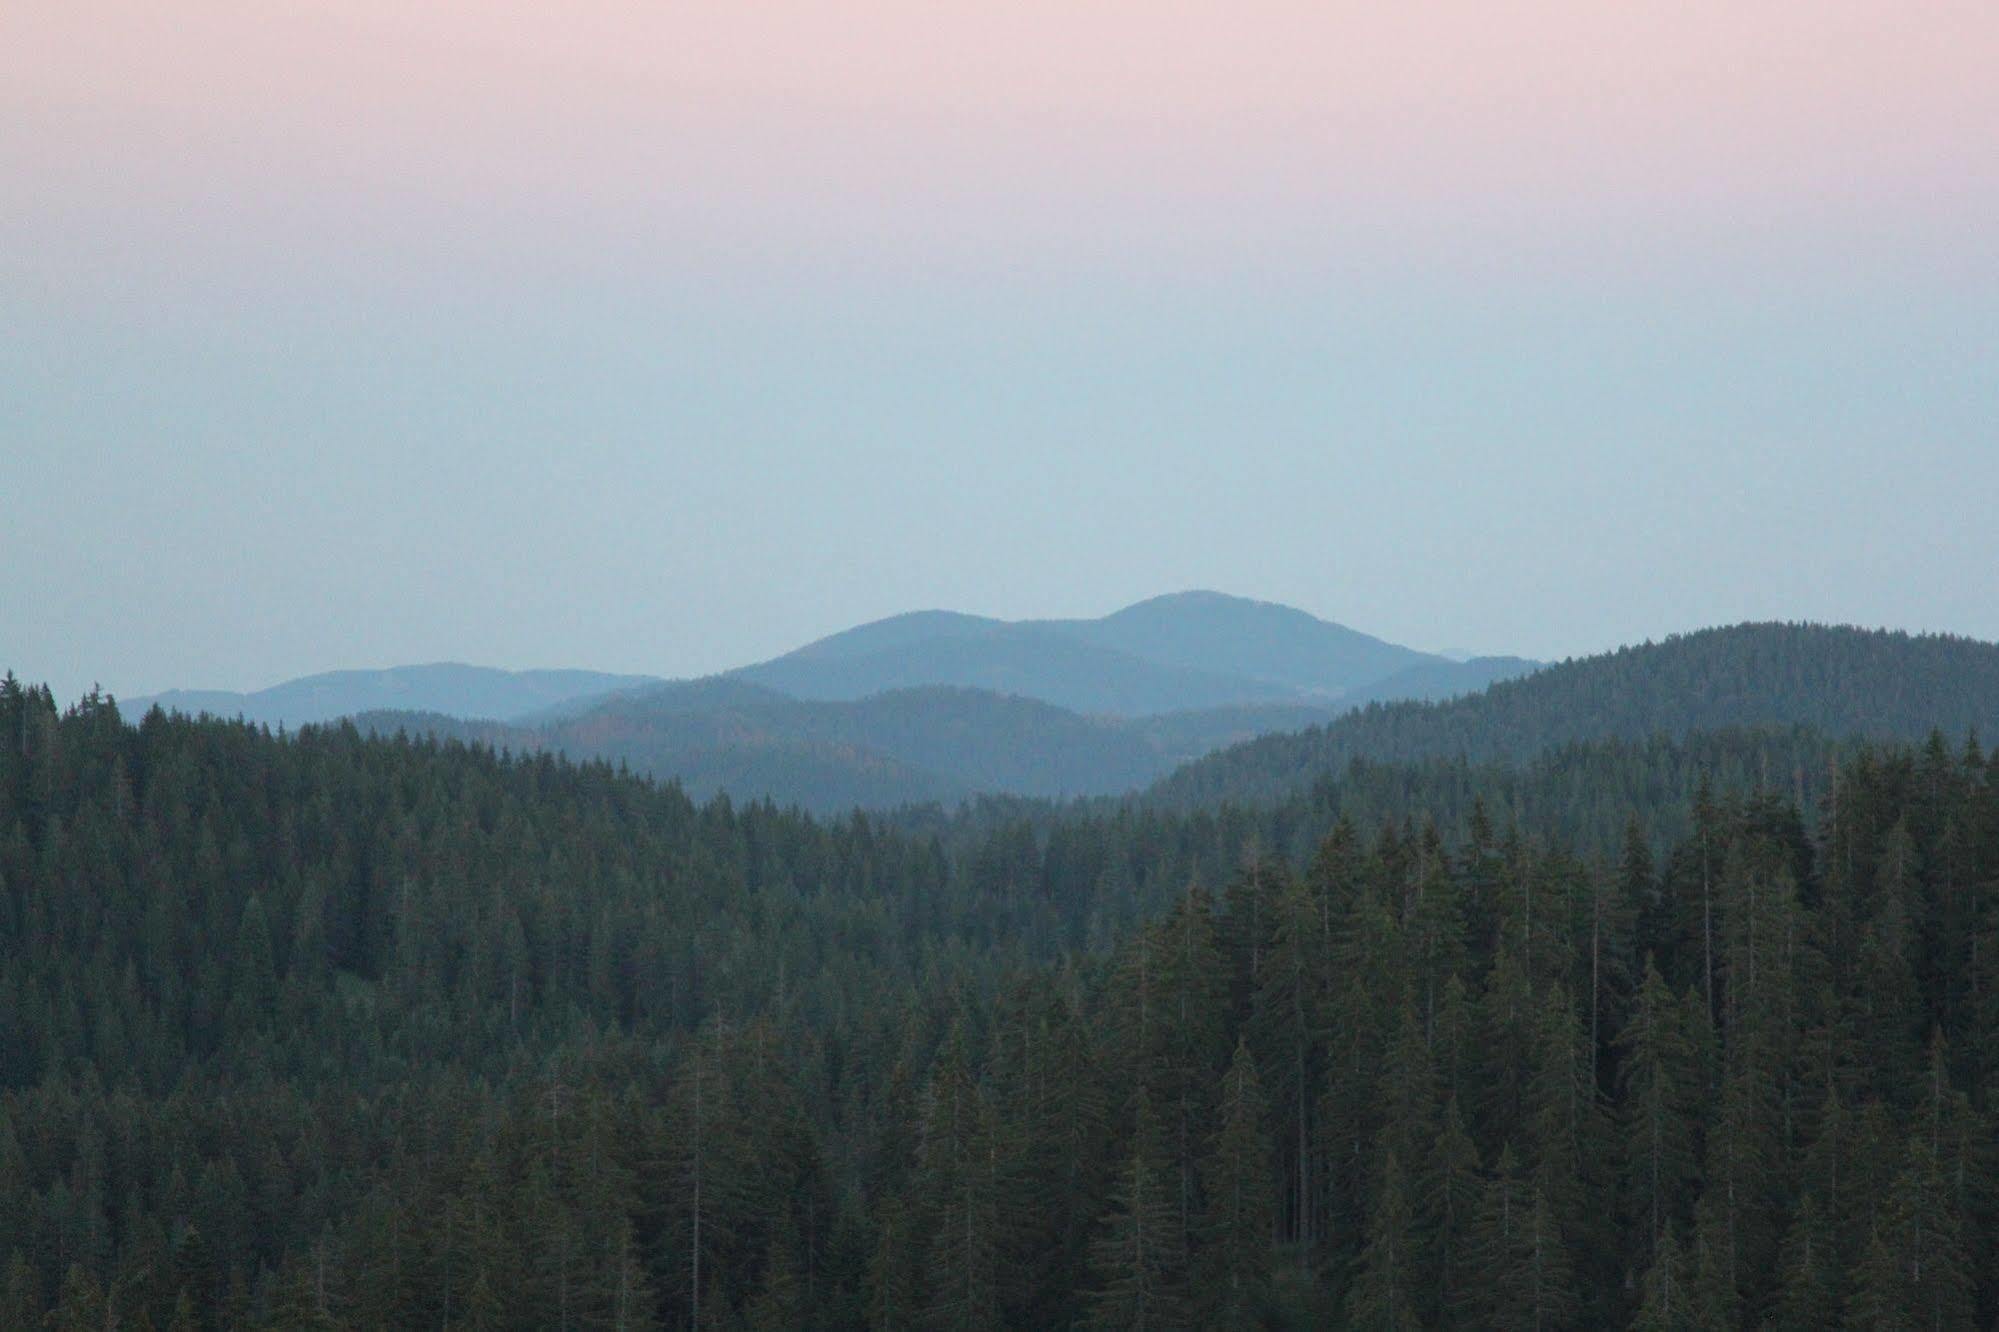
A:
{"x":1070,"y":129}
{"x":667,"y":336}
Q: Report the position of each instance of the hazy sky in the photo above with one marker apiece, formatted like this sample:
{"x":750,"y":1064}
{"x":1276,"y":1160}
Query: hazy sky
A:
{"x":666,"y":336}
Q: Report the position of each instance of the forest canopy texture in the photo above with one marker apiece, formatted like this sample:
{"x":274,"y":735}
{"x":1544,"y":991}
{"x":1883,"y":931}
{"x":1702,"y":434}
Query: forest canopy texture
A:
{"x":1635,"y":1026}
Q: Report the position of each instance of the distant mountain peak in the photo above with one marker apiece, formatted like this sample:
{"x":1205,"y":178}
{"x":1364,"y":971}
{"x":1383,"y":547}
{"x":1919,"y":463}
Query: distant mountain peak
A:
{"x":1207,"y":599}
{"x":1193,"y":649}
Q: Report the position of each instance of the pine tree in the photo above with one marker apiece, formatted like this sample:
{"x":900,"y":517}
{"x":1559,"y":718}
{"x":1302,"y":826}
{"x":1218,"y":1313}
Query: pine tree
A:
{"x":1407,"y":1095}
{"x":702,"y":1170}
{"x":630,"y":1304}
{"x":1388,"y":1291}
{"x":1669,"y":1300}
{"x":1236,"y":1180}
{"x":1493,"y":1250}
{"x":1733,"y":1219}
{"x":1448,"y":1203}
{"x":1915,"y":1274}
{"x":1053,"y":1144}
{"x":1437,"y":937}
{"x":1809,"y":1269}
{"x":1284,"y":1033}
{"x":959,"y":1185}
{"x":1194,"y":997}
{"x":780,"y":1301}
{"x":1610,"y":978}
{"x":1509,"y":1013}
{"x":1886,"y":998}
{"x":1140,"y":1254}
{"x":20,"y":1301}
{"x":1660,"y":1086}
{"x":1366,"y":985}
{"x":895,"y":1287}
{"x":1546,"y":1283}
{"x":80,"y":1306}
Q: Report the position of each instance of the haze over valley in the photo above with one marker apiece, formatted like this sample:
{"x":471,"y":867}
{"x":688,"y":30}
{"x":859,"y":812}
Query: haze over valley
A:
{"x":925,"y":707}
{"x":1254,"y":667}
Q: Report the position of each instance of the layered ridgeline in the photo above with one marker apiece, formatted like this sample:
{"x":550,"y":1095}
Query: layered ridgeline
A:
{"x":941,"y":745}
{"x":329,"y":1030}
{"x":932,"y":706}
{"x":446,"y":688}
{"x":1837,"y":680}
{"x":1187,"y":651}
{"x":932,"y":745}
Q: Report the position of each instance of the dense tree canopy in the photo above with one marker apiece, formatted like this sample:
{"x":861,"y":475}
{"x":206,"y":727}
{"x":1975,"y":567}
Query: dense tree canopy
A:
{"x":1838,"y":680}
{"x":329,"y":1030}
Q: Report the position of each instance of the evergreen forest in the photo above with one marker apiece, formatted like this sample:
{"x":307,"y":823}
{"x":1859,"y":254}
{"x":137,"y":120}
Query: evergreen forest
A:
{"x":1640,"y":1026}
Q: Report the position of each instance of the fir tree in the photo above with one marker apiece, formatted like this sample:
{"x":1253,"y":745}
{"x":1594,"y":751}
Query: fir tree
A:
{"x":960,"y":1188}
{"x":1660,"y":1085}
{"x":1915,"y":1274}
{"x":1140,"y":1254}
{"x":1670,"y":1301}
{"x":1387,"y":1291}
{"x":1236,"y":1179}
{"x":1810,"y":1294}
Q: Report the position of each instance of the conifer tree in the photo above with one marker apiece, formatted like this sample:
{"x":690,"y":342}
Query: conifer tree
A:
{"x":1915,"y":1274}
{"x":1236,"y":1180}
{"x":1493,"y":1250}
{"x":1140,"y":1254}
{"x":1437,"y":937}
{"x":1284,"y":1029}
{"x":1546,"y":1284}
{"x":1733,"y":1218}
{"x":1194,"y":997}
{"x":1669,"y":1302}
{"x":1407,"y":1095}
{"x":1387,"y":1291}
{"x":1810,"y":1272}
{"x":895,"y":1287}
{"x":20,"y":1301}
{"x":1448,"y":1203}
{"x":959,"y":1185}
{"x":1564,"y":1120}
{"x":1524,"y":1275}
{"x":1365,"y":987}
{"x":780,"y":1302}
{"x":1660,"y":1085}
{"x":705,"y":1185}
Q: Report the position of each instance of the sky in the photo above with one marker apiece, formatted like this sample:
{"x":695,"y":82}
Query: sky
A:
{"x":665,"y":337}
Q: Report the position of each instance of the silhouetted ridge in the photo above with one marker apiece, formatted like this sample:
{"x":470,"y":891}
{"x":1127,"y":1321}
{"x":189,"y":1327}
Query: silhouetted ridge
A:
{"x":1839,"y":680}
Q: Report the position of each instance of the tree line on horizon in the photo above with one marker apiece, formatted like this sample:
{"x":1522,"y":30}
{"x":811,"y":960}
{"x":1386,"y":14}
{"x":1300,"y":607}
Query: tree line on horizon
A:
{"x":329,"y":1030}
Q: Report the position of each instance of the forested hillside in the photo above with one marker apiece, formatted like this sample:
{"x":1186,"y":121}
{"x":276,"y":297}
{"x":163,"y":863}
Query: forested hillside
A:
{"x":1841,"y":681}
{"x":339,"y":1031}
{"x":906,"y":746}
{"x":446,"y":688}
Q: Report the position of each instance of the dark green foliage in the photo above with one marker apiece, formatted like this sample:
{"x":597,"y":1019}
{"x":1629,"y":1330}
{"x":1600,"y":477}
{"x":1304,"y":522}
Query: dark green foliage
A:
{"x":1388,"y":1290}
{"x":1670,"y":1302}
{"x":335,"y":1031}
{"x":1916,"y":1273}
{"x":1840,"y":681}
{"x":1662,"y":1087}
{"x":1139,"y":1258}
{"x":1233,"y":1285}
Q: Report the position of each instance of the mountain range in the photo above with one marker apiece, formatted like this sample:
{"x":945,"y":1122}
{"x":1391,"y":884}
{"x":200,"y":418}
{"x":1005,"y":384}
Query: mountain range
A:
{"x":1186,"y":651}
{"x":448,"y":688}
{"x":928,"y":706}
{"x":1181,"y":652}
{"x":1195,"y":698}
